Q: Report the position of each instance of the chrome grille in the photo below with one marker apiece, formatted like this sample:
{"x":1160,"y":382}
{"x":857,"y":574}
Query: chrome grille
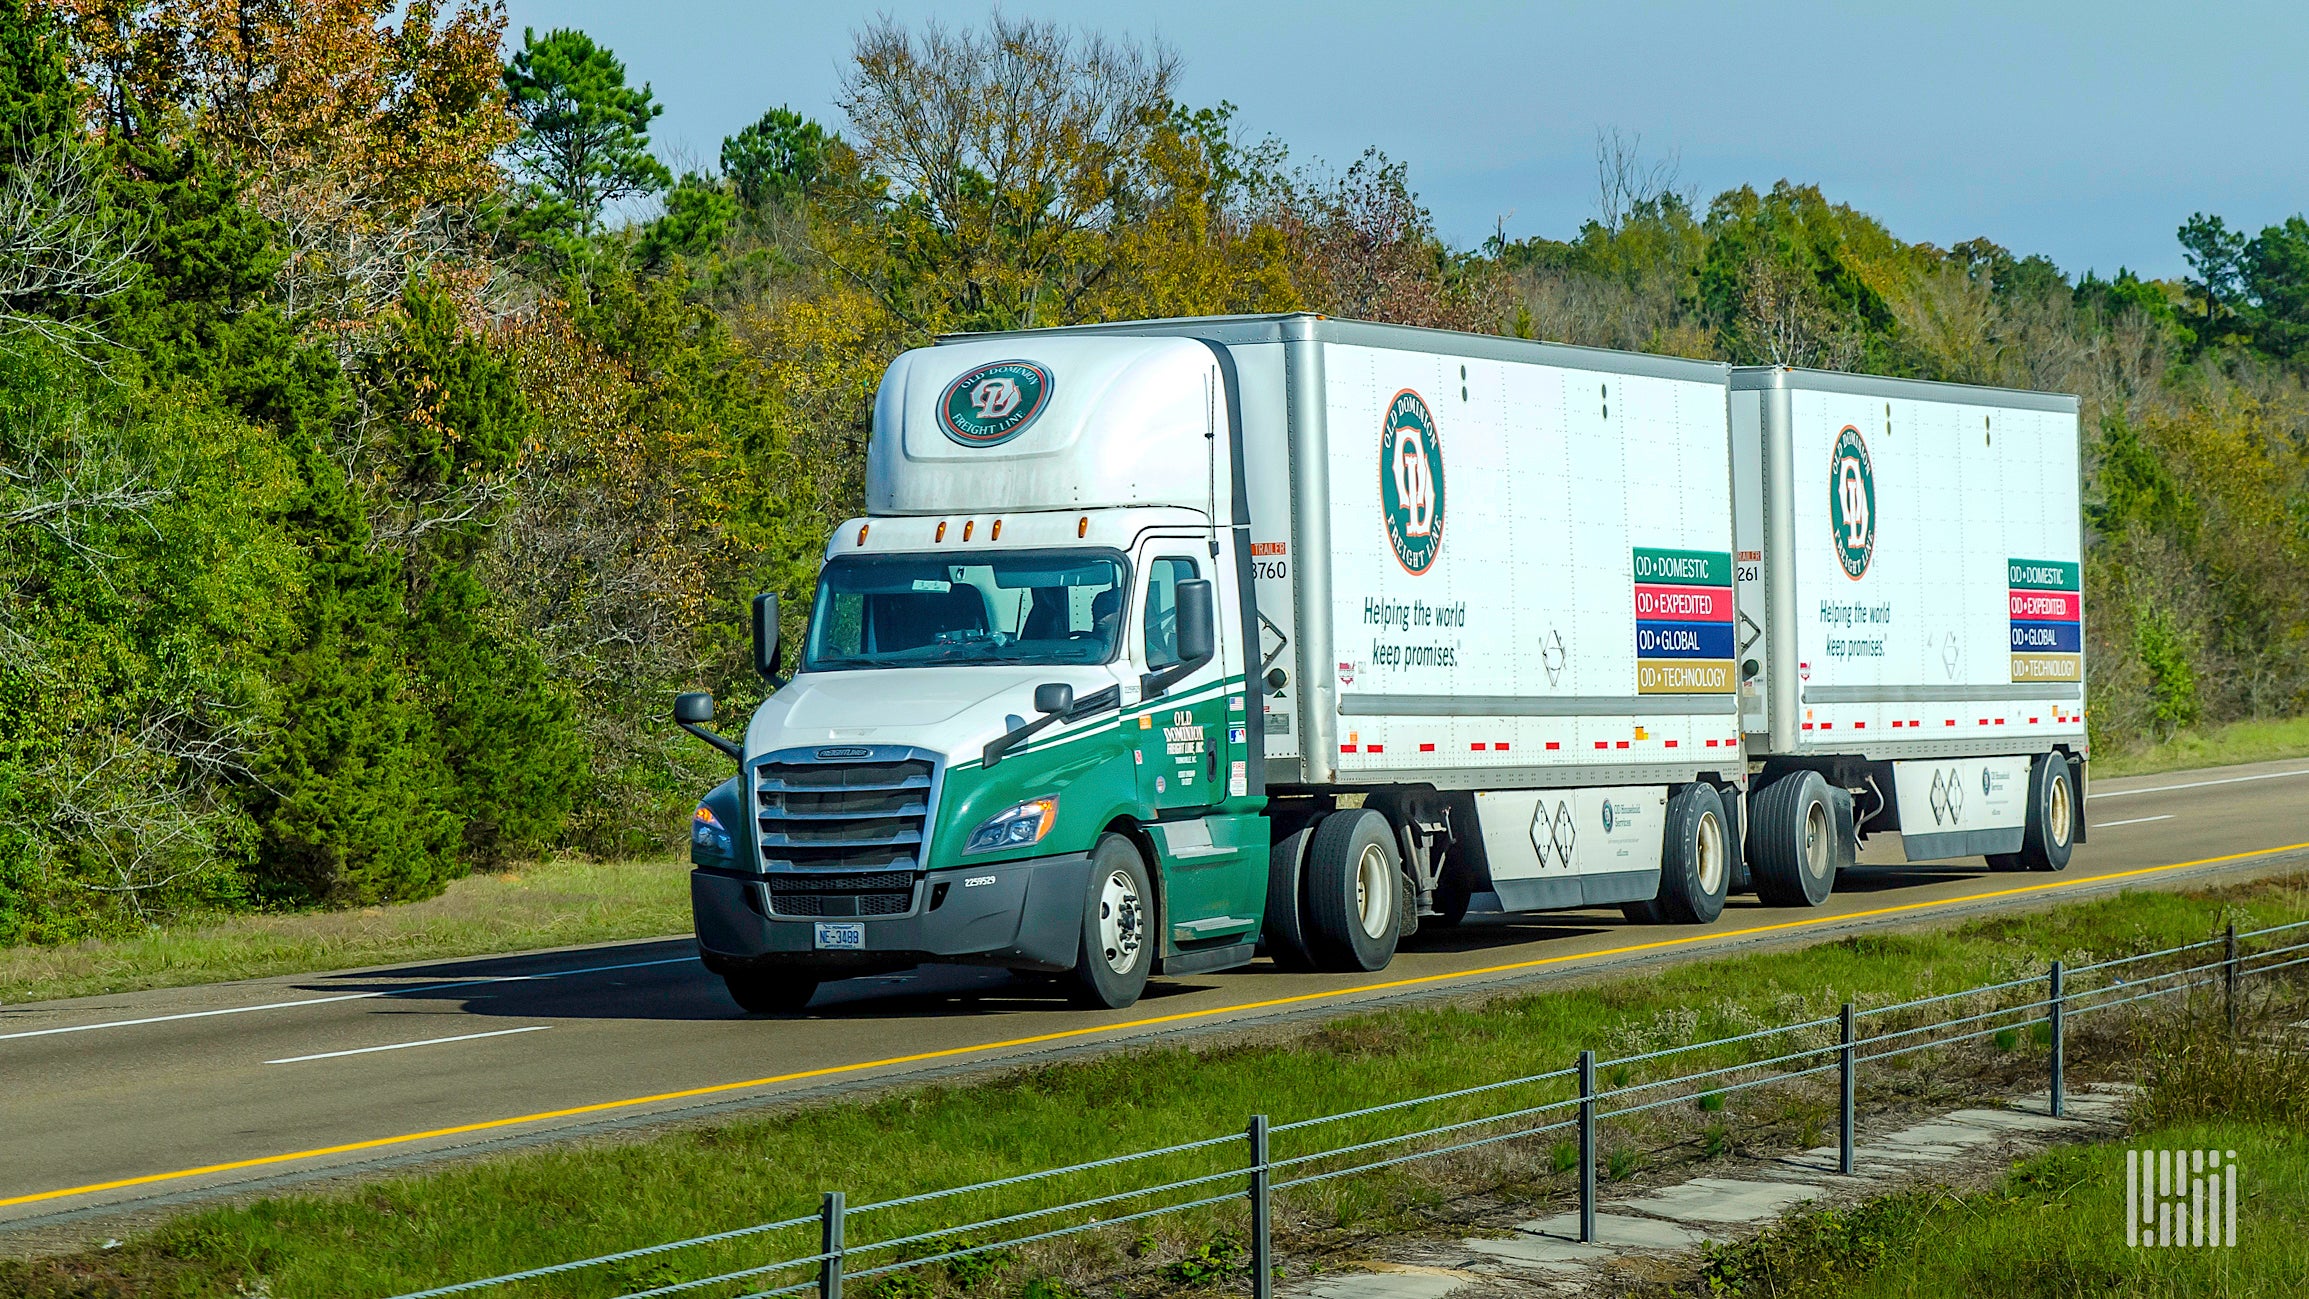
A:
{"x":843,"y":838}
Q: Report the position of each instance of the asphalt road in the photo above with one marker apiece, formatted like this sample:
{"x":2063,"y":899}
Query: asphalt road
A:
{"x":114,"y":1109}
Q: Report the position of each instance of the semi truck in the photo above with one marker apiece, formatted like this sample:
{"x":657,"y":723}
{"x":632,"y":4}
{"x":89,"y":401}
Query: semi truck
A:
{"x":1163,"y":644}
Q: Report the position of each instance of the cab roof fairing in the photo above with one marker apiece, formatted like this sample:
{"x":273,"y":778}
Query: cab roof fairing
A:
{"x":1127,"y":423}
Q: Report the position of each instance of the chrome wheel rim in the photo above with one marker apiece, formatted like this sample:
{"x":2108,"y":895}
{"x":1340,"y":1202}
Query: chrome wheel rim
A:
{"x":1712,"y":863}
{"x":2060,"y":814}
{"x":1121,"y":922}
{"x":1374,"y":891}
{"x":1816,"y":841}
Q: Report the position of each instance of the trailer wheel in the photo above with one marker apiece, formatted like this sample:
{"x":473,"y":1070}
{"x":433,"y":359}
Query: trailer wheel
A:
{"x":2052,"y":815}
{"x":1285,"y":930}
{"x":1695,"y":862}
{"x":1353,"y":888}
{"x":1792,"y":841}
{"x":1118,"y":932}
{"x":771,"y":992}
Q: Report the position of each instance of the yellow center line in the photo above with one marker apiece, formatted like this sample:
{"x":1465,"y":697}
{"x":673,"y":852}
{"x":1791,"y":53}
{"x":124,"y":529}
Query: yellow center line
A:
{"x":1811,"y":922}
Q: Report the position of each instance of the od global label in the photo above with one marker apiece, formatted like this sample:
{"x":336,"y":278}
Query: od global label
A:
{"x":994,"y":403}
{"x":1852,"y":503}
{"x":1411,"y":482}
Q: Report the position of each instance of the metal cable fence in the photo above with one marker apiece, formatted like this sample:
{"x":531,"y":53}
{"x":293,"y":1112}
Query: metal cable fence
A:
{"x":2049,"y":1001}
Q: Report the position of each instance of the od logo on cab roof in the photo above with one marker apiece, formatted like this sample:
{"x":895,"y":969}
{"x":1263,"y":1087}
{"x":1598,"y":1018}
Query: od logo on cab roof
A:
{"x":994,"y":403}
{"x":1411,"y":482}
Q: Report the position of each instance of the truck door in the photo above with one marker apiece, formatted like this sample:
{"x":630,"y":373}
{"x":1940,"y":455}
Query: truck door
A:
{"x":1183,"y":735}
{"x":1190,"y":742}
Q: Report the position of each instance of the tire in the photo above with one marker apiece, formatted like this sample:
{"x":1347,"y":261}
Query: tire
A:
{"x":1352,"y":886}
{"x":765,"y":992}
{"x":2052,"y":815}
{"x":1695,"y":858}
{"x":1792,"y":849}
{"x":1285,"y":930}
{"x":1119,"y":945}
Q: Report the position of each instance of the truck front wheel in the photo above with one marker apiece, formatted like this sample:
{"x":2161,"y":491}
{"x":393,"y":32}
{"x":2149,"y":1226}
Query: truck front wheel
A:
{"x":1353,"y":889}
{"x":1792,"y":848}
{"x":771,"y":992}
{"x":1117,"y":928}
{"x":1695,"y":862}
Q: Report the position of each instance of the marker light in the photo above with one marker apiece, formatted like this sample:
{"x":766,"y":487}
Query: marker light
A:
{"x":862,"y":533}
{"x":968,"y":526}
{"x":1082,"y":526}
{"x":941,"y":530}
{"x":996,"y":535}
{"x":1014,"y":827}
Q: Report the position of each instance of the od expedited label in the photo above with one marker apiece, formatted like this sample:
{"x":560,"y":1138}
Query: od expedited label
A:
{"x":1683,"y":608}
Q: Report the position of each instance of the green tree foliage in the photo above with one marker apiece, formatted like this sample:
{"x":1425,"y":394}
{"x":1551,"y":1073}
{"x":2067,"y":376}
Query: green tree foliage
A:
{"x":779,"y":158}
{"x":584,"y":132}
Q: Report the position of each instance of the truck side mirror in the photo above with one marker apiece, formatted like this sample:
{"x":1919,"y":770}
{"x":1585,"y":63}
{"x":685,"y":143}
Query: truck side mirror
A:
{"x":692,"y":709}
{"x":1053,"y":697}
{"x":1198,"y":636}
{"x":766,"y":647}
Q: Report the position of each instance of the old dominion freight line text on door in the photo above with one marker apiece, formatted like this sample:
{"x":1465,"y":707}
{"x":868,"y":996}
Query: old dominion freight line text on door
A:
{"x":1164,"y":644}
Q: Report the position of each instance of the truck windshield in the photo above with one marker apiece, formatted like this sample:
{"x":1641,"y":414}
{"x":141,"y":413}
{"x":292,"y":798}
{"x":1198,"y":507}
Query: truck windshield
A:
{"x":904,"y":611}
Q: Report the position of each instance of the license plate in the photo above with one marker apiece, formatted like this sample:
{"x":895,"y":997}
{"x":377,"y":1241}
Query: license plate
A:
{"x":841,"y":938}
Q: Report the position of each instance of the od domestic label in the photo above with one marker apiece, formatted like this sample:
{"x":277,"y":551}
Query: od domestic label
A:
{"x":994,"y":403}
{"x":1411,"y":482}
{"x":2045,"y":605}
{"x":1683,"y":608}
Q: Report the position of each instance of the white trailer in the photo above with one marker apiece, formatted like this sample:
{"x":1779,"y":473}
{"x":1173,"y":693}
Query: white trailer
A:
{"x":1911,"y":621}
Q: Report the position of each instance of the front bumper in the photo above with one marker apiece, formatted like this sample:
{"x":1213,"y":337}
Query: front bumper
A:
{"x":1024,"y":915}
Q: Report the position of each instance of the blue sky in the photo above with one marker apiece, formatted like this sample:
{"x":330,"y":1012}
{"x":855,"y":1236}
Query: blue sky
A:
{"x":2086,"y":132}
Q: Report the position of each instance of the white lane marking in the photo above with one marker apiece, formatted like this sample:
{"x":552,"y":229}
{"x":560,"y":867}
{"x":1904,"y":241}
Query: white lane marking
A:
{"x":2195,"y":784}
{"x":403,"y":1046}
{"x":2138,"y":820}
{"x":349,"y":996}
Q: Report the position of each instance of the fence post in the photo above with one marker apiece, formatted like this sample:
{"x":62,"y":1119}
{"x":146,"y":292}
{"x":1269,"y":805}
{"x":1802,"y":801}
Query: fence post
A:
{"x":830,"y":1245}
{"x":1846,"y":1059}
{"x":2229,"y":973}
{"x":2059,"y":1012}
{"x":1586,"y":1147}
{"x":1262,"y":1256}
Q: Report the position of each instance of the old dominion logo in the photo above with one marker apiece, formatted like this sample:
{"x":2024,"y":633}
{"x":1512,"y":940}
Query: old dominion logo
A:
{"x":1411,"y":481}
{"x":1852,"y":503}
{"x":994,"y":403}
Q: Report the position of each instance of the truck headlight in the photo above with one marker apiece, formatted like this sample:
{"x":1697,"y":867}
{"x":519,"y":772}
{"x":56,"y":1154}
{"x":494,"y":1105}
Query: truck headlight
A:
{"x":706,"y":833}
{"x":1014,"y":827}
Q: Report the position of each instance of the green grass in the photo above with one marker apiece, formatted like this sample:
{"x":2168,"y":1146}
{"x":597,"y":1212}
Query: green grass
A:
{"x":552,"y":904}
{"x":2219,"y":746}
{"x":2056,"y":1224}
{"x":522,"y":1210}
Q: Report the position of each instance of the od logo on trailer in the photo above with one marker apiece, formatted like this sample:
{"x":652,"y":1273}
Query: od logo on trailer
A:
{"x":1852,"y":502}
{"x":994,"y":403}
{"x":1411,"y":481}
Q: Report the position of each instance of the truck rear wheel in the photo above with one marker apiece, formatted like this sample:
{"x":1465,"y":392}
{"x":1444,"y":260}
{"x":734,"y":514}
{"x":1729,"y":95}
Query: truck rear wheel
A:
{"x":1792,"y":841}
{"x":771,"y":992}
{"x":1285,"y":930}
{"x":1695,"y":862}
{"x":1353,"y":888}
{"x":1118,"y":948}
{"x":2050,"y":836}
